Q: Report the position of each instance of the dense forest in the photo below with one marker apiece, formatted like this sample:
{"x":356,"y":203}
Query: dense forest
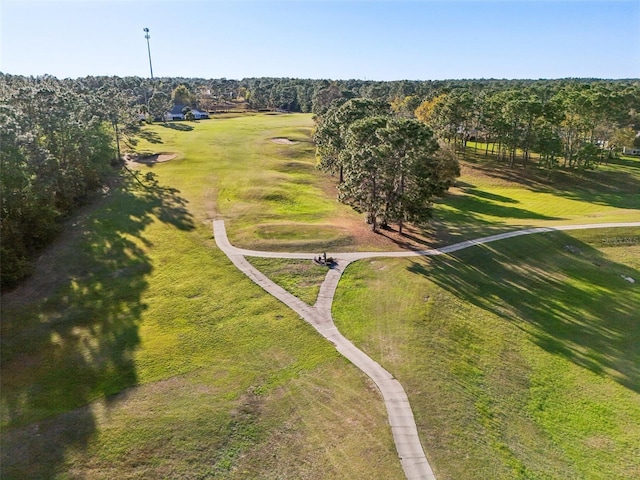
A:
{"x":61,"y":139}
{"x":59,"y":143}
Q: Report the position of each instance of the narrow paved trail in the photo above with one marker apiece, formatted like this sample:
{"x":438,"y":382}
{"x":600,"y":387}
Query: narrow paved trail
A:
{"x":403,"y":426}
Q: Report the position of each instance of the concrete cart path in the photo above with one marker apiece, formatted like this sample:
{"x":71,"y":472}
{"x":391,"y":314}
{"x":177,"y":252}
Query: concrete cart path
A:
{"x":351,"y":256}
{"x":403,"y":426}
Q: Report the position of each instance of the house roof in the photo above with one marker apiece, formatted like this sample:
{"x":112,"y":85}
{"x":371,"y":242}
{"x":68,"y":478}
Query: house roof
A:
{"x":177,"y":110}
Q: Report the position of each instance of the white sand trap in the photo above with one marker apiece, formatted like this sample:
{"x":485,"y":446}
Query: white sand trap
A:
{"x":158,"y":158}
{"x":283,"y":141}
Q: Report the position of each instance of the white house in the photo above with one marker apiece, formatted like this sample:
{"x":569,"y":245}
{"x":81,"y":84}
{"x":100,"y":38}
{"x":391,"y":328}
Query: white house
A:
{"x":176,"y":114}
{"x":199,"y":114}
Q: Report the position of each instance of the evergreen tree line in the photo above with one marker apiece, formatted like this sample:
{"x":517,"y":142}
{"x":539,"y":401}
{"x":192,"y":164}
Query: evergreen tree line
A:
{"x":57,"y":145}
{"x":316,"y":96}
{"x":576,"y":125}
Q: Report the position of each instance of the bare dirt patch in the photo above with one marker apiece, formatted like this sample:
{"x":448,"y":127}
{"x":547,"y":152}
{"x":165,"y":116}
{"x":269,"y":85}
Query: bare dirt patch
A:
{"x":413,"y":238}
{"x":283,"y":141}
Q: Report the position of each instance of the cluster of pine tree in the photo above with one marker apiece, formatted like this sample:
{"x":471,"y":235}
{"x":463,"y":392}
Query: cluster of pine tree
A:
{"x":58,"y":146}
{"x":389,"y":167}
{"x":575,"y":125}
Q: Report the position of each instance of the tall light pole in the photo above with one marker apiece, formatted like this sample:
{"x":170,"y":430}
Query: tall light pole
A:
{"x":147,"y":36}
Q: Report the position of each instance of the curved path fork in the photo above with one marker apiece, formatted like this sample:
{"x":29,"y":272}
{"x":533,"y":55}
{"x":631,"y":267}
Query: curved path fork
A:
{"x":403,"y":426}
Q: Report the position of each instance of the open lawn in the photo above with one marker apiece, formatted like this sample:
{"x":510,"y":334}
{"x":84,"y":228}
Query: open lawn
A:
{"x":299,"y":277}
{"x":491,"y":198}
{"x":137,"y":350}
{"x":520,"y":358}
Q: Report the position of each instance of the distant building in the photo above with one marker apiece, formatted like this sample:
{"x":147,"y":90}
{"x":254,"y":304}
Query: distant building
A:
{"x":176,"y":113}
{"x":199,"y":114}
{"x":631,"y":151}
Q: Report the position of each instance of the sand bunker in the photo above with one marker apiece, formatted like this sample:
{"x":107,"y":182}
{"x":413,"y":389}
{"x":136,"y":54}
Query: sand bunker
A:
{"x":157,"y":158}
{"x":283,"y":141}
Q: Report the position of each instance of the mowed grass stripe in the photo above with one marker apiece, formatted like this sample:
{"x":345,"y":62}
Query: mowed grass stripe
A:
{"x":520,"y":358}
{"x":148,"y":354}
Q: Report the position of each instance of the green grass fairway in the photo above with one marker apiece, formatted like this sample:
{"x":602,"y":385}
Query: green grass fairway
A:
{"x":520,"y":358}
{"x":270,"y":193}
{"x":137,"y":350}
{"x":490,"y":198}
{"x":273,"y":198}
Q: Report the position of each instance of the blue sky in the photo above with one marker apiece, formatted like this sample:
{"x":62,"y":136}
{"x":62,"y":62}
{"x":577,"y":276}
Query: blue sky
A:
{"x":374,"y":40}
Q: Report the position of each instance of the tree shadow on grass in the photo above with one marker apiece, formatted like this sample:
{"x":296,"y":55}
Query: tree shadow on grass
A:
{"x":497,"y":170}
{"x":455,"y":224}
{"x":476,"y":214}
{"x":445,"y":228}
{"x":412,"y":238}
{"x":470,"y":190}
{"x":177,"y":126}
{"x":617,"y":189}
{"x":483,"y":203}
{"x":466,"y":217}
{"x":150,"y":136}
{"x":561,"y":291}
{"x":614,"y":184}
{"x":69,"y":334}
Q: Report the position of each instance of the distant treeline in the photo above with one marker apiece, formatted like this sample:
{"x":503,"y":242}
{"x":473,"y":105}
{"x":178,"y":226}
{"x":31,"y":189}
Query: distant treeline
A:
{"x":570,"y":121}
{"x":315,"y":96}
{"x":60,"y":138}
